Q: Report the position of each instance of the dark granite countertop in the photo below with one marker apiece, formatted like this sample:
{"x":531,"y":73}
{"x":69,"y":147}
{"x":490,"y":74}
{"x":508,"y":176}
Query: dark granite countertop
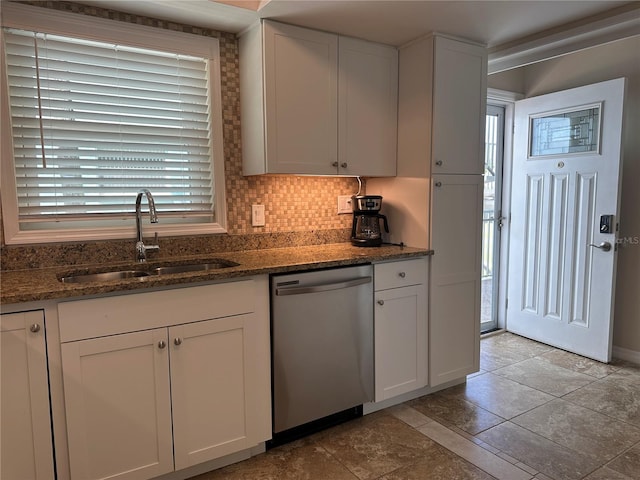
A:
{"x":19,"y":286}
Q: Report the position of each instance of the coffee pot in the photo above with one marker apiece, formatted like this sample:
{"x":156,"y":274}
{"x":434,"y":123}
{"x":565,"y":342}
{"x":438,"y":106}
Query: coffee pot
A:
{"x":365,"y":231}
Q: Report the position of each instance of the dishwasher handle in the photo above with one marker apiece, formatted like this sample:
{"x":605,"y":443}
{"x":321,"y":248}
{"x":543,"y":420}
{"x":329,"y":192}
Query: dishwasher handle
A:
{"x":323,"y":287}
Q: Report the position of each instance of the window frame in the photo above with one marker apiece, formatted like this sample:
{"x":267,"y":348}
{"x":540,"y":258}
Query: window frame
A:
{"x":92,"y":28}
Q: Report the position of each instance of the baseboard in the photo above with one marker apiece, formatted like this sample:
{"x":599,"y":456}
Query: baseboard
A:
{"x":211,"y":465}
{"x":492,"y":333}
{"x":368,"y":408}
{"x":632,"y":356}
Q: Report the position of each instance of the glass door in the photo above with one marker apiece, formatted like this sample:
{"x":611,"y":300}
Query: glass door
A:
{"x":492,"y":216}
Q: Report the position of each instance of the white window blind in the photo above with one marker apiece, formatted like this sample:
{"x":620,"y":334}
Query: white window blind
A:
{"x":94,"y":122}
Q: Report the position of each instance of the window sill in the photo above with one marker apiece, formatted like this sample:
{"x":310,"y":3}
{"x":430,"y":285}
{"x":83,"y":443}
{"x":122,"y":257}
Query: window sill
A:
{"x":114,"y":233}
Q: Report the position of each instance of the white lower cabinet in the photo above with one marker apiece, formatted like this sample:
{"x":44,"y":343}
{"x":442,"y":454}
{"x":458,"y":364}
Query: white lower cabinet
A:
{"x":26,"y":441}
{"x":118,"y":406}
{"x":210,"y":386}
{"x":401,"y":319}
{"x":144,"y":403}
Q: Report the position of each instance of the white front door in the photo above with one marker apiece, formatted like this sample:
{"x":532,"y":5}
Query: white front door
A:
{"x":565,"y":188}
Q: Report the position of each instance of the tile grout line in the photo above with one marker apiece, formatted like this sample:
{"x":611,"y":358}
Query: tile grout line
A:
{"x":485,"y":460}
{"x":476,"y":454}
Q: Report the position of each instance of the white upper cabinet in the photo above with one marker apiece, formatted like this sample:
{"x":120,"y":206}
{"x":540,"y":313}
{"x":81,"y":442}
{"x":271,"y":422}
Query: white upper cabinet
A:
{"x":441,"y":107}
{"x":301,"y":100}
{"x":367,"y":108}
{"x":314,"y":103}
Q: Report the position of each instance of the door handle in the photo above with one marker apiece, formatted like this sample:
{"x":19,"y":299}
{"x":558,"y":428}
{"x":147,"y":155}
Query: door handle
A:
{"x":604,"y":246}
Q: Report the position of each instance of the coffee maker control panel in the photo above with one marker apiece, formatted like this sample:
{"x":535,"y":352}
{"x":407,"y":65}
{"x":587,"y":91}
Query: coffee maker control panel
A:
{"x":366,"y":203}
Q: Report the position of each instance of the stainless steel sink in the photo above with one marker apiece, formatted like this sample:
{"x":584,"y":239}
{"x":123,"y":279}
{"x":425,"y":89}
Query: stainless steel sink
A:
{"x":103,"y":277}
{"x":197,"y":267}
{"x":146,"y":271}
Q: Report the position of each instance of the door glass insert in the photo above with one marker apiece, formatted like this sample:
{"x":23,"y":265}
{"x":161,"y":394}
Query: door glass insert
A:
{"x":491,"y":216}
{"x":565,"y":132}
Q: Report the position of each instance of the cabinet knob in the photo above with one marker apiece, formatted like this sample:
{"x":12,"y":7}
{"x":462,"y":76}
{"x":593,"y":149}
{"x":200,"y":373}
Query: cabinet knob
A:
{"x":177,"y":341}
{"x":402,"y":274}
{"x":439,"y":163}
{"x":162,"y":344}
{"x":35,"y":328}
{"x":438,"y":184}
{"x":380,"y":302}
{"x":343,"y":165}
{"x":334,"y":164}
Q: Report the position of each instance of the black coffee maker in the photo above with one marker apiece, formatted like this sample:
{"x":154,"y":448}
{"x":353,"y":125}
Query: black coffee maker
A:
{"x":365,"y":231}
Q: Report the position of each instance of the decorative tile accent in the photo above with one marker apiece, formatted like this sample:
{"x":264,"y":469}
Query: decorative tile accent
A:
{"x":487,"y":461}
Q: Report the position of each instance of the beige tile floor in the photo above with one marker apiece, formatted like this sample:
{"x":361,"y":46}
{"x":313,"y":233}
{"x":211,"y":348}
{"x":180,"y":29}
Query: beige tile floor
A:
{"x":532,"y":412}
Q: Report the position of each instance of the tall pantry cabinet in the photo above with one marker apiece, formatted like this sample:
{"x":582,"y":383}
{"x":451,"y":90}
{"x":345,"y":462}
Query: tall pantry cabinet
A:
{"x":436,"y":200}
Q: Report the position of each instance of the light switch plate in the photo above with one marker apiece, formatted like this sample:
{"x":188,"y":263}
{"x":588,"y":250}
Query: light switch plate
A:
{"x":344,"y":204}
{"x":257,"y":215}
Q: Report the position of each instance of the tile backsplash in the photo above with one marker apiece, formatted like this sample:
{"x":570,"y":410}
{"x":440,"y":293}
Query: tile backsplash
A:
{"x":298,"y":210}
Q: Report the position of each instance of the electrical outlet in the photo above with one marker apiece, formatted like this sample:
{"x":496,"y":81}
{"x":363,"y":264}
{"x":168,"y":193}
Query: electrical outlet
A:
{"x":344,"y":204}
{"x":257,"y":215}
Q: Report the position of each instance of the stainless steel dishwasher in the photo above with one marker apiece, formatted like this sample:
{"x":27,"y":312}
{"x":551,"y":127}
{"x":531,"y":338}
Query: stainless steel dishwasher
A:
{"x":322,"y":340}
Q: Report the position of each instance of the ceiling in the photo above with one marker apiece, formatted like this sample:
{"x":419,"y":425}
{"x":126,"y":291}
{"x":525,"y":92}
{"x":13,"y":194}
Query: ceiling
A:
{"x":397,"y":22}
{"x":498,"y":24}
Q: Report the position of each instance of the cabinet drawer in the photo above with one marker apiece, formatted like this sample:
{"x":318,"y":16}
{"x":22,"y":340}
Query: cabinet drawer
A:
{"x":400,"y":274}
{"x":98,"y":317}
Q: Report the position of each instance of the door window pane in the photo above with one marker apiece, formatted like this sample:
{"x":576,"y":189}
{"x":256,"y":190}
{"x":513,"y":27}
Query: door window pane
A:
{"x":567,"y":132}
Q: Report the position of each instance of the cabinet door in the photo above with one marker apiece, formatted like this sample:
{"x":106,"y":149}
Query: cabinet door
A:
{"x":26,"y":441}
{"x":459,"y":105}
{"x":400,"y":340}
{"x":367,"y":108}
{"x":454,"y":319}
{"x":117,"y":404}
{"x":212,"y":388}
{"x":301,"y":99}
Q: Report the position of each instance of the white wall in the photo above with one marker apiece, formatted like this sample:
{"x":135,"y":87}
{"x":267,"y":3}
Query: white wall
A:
{"x":613,"y":60}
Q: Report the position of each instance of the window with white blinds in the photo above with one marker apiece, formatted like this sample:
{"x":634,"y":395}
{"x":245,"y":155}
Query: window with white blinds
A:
{"x":94,"y":122}
{"x":97,"y":110}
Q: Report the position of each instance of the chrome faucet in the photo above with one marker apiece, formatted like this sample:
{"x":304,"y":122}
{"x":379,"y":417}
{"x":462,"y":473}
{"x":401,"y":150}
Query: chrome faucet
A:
{"x":141,"y":248}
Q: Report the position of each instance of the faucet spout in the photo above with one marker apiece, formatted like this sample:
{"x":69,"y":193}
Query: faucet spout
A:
{"x":141,"y":248}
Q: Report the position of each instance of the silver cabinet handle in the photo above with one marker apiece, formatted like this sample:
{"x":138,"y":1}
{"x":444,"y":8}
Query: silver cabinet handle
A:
{"x":439,"y":163}
{"x":35,"y":328}
{"x":604,"y":246}
{"x":343,"y":165}
{"x":177,"y":341}
{"x":334,"y":164}
{"x":438,"y":184}
{"x":380,"y":302}
{"x":402,"y":274}
{"x":162,"y":344}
